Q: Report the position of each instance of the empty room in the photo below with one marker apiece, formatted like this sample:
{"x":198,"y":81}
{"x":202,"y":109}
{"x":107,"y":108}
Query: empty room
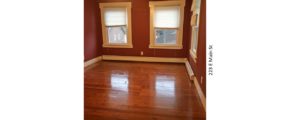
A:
{"x":145,"y":59}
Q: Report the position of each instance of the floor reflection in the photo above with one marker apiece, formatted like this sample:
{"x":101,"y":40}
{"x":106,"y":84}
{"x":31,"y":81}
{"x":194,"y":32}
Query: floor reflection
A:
{"x":119,"y":88}
{"x":165,"y":91}
{"x":119,"y":81}
{"x":165,"y":85}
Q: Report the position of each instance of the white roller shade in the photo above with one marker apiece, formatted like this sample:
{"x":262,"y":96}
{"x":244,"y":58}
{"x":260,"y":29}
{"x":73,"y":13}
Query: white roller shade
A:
{"x":115,"y":16}
{"x":167,"y":17}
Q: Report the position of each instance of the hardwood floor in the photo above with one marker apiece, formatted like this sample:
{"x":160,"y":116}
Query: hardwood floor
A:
{"x":140,"y":91}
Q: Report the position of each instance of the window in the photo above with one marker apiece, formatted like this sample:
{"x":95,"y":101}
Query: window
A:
{"x":195,"y":26}
{"x":116,"y":24}
{"x":166,"y":24}
{"x":194,"y":38}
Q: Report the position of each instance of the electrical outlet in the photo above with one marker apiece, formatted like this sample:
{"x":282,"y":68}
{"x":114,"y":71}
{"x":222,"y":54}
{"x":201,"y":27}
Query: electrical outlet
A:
{"x":141,"y":53}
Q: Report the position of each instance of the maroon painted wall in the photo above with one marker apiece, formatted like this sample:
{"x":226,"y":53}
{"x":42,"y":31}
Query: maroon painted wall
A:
{"x":92,"y":46}
{"x":141,"y":35}
{"x":199,"y":68}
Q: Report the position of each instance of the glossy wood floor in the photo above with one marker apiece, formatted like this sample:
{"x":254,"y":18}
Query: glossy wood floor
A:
{"x":140,"y":91}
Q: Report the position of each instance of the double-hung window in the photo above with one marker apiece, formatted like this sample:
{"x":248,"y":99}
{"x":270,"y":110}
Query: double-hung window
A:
{"x":116,"y":24}
{"x":195,"y":8}
{"x":166,"y":24}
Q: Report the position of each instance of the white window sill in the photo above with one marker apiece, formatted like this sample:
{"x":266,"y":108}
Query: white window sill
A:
{"x":166,"y":46}
{"x":117,"y":45}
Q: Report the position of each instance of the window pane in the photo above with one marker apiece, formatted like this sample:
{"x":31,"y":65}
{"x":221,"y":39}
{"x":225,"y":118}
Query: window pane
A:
{"x":167,"y":17}
{"x":195,"y":38}
{"x":117,"y":34}
{"x":197,"y":5}
{"x":165,"y":36}
{"x":115,"y":16}
{"x":197,"y":11}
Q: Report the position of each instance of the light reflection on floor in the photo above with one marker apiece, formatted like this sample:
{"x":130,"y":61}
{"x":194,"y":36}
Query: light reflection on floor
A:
{"x":119,"y":81}
{"x":119,"y":84}
{"x":165,"y":85}
{"x":165,"y":91}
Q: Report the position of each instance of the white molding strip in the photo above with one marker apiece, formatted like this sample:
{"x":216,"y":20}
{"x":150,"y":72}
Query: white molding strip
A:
{"x":144,"y":59}
{"x":196,"y":84}
{"x":92,"y":61}
{"x":200,"y":93}
{"x":188,"y":68}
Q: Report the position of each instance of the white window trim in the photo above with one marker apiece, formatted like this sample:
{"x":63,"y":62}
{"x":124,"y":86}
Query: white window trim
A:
{"x":194,"y":24}
{"x":106,"y":43}
{"x":179,"y":34}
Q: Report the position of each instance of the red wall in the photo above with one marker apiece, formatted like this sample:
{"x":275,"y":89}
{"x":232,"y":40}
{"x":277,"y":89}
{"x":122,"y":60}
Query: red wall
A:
{"x":199,"y":67}
{"x":140,"y":33}
{"x":92,"y":46}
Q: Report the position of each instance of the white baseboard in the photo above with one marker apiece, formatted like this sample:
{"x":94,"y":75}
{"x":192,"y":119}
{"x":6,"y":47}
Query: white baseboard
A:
{"x":144,"y":59}
{"x":188,"y":68}
{"x":200,"y":93}
{"x":196,"y":84}
{"x":92,"y":61}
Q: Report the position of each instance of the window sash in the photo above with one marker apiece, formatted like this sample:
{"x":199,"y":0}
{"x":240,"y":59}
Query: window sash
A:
{"x":115,"y":25}
{"x":166,"y":28}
